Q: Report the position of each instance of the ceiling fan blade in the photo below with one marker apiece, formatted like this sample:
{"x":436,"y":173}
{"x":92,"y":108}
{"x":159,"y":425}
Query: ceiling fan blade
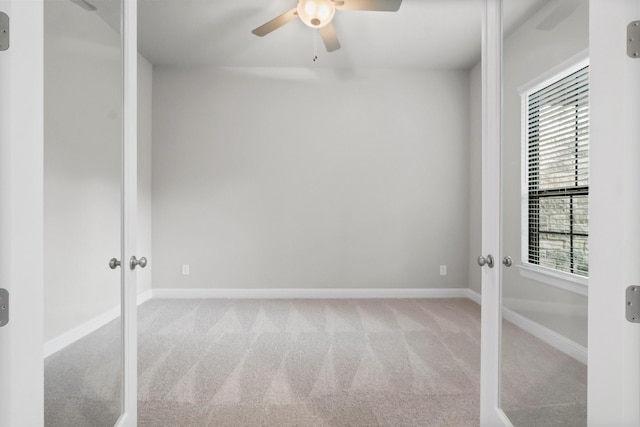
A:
{"x":275,"y":23}
{"x":85,"y":5}
{"x":328,"y":34}
{"x":375,"y":5}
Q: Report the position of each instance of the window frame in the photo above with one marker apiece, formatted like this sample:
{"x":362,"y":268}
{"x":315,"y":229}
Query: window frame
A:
{"x":564,"y":280}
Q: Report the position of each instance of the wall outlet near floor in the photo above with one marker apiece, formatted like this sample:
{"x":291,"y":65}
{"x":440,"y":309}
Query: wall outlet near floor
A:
{"x":185,"y":269}
{"x":443,"y":270}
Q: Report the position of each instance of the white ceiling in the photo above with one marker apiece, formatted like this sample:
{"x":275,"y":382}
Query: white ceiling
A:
{"x":422,"y":34}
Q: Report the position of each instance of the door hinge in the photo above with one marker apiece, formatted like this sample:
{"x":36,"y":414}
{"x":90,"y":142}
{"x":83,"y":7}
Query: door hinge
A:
{"x":4,"y":31}
{"x":633,"y":304}
{"x":633,"y":39}
{"x":4,"y":307}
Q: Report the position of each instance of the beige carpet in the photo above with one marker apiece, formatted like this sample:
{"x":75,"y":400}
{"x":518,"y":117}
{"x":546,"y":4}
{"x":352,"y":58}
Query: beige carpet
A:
{"x":304,"y":363}
{"x":540,"y":385}
{"x":309,"y":362}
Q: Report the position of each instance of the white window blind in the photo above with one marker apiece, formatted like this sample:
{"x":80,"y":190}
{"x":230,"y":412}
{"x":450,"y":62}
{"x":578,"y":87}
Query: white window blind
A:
{"x":557,"y":121}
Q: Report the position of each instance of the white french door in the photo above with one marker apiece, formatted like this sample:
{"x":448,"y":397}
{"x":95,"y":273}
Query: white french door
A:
{"x":614,"y":212}
{"x":23,"y":138}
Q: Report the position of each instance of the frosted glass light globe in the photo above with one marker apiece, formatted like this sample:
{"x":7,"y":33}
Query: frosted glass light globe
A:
{"x":316,"y":13}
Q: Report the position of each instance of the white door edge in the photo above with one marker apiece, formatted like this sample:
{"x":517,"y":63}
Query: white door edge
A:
{"x":129,"y":214}
{"x":491,"y":316}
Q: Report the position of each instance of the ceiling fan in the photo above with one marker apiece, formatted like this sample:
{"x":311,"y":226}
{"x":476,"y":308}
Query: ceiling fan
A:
{"x":319,"y":13}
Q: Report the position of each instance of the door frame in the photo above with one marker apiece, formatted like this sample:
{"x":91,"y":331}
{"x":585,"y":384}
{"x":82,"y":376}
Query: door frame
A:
{"x":614,"y":343}
{"x":21,"y":215}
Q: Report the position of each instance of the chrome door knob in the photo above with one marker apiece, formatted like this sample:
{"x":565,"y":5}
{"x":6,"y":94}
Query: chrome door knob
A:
{"x":142,"y":262}
{"x":113,"y":263}
{"x":488,"y":261}
{"x":507,"y":261}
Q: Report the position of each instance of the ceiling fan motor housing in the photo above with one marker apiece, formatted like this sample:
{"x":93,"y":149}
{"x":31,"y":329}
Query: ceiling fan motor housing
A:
{"x":316,"y":13}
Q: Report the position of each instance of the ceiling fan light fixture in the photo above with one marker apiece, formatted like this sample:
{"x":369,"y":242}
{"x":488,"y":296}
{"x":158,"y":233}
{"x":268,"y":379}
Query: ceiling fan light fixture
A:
{"x":316,"y":13}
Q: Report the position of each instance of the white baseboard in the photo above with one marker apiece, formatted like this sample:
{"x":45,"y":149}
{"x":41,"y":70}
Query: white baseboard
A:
{"x":552,"y":338}
{"x":61,"y":341}
{"x":144,"y":297}
{"x":474,"y":296}
{"x":325,"y":293}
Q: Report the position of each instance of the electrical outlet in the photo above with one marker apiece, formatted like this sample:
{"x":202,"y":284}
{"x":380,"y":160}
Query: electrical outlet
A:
{"x":443,"y":270}
{"x":185,"y":269}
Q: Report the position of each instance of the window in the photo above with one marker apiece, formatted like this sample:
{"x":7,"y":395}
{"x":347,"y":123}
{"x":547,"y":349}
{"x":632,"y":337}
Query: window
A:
{"x":556,"y":140}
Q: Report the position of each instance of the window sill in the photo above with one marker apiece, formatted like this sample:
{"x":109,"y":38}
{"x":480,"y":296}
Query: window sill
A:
{"x":568,"y":282}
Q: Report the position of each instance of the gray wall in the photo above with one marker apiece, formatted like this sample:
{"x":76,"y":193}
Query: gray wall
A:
{"x":298,"y":179}
{"x":145,"y":96}
{"x":83,"y":132}
{"x":528,"y":53}
{"x":475,"y":177}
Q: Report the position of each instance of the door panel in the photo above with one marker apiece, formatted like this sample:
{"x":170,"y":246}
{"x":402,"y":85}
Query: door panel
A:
{"x":544,"y":216}
{"x":83,"y":175}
